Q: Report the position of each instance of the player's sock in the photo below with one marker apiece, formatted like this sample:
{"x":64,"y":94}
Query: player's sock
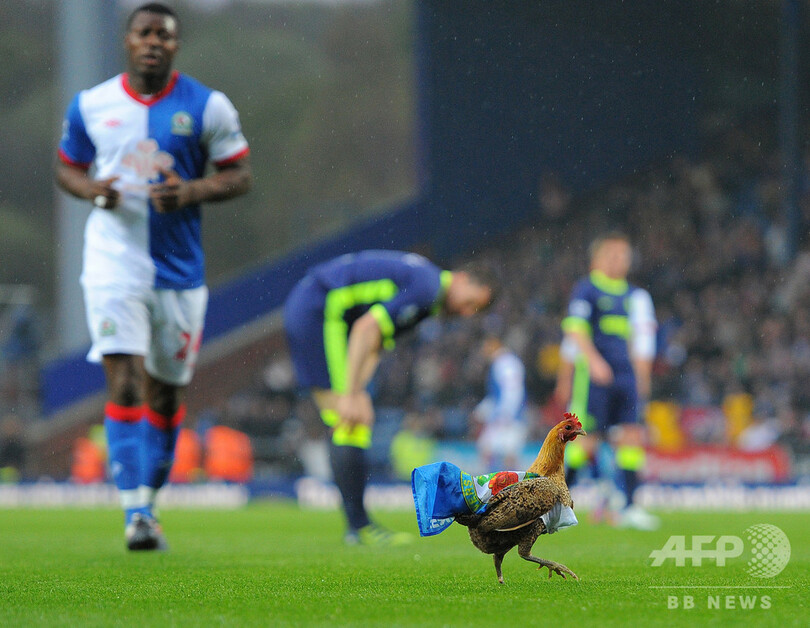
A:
{"x":349,"y":470}
{"x":159,"y":438}
{"x":605,"y":461}
{"x":605,"y":476}
{"x":630,"y":484}
{"x":122,"y":425}
{"x":630,"y":460}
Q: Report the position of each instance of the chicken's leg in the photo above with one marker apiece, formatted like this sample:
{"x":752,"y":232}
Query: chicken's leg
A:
{"x":525,"y":552}
{"x":498,"y":558}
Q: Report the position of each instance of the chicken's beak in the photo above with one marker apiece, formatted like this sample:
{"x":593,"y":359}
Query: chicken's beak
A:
{"x":580,"y":432}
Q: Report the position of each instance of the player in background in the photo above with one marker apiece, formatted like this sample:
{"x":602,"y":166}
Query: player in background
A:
{"x":137,"y":147}
{"x":605,"y":372}
{"x":338,"y":320}
{"x":503,"y":411}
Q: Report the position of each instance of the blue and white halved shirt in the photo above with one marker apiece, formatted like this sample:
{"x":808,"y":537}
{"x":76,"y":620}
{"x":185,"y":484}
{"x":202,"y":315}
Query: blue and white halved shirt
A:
{"x":124,"y":134}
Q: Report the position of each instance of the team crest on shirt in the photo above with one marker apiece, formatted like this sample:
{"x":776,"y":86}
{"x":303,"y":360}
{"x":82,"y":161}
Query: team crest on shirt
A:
{"x":182,"y":124}
{"x":605,"y":303}
{"x":107,"y":327}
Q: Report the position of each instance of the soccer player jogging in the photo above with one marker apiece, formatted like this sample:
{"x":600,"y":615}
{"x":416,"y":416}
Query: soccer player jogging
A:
{"x":137,"y":147}
{"x":609,"y":345}
{"x":503,"y":410}
{"x":338,"y":319}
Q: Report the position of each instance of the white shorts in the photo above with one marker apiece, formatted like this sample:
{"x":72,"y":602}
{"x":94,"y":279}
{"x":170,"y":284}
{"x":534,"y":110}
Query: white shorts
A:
{"x":164,"y":326}
{"x":503,"y":438}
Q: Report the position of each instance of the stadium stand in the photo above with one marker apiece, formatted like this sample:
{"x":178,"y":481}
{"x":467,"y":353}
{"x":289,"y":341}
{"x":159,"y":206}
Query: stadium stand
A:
{"x":734,"y":332}
{"x":734,"y":337}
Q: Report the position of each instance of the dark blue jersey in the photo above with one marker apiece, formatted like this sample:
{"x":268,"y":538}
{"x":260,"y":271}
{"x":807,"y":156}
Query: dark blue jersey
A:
{"x":599,"y":308}
{"x":399,"y":288}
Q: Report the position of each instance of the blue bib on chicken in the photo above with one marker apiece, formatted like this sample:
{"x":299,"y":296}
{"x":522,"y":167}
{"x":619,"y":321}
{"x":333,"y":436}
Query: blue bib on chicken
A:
{"x":442,"y":490}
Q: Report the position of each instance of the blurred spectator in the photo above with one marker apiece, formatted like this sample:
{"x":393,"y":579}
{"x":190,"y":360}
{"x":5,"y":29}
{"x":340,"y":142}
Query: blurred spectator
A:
{"x":90,"y":457}
{"x":12,"y":448}
{"x":502,"y":412}
{"x":188,"y":458}
{"x":554,"y":197}
{"x":412,"y":446}
{"x":760,"y":434}
{"x":19,"y":357}
{"x":228,"y":455}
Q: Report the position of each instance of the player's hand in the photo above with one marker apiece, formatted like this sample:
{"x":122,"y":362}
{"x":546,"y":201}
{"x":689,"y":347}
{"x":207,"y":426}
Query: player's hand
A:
{"x":103,"y":194}
{"x":600,"y":371}
{"x":171,"y":194}
{"x":355,"y":409}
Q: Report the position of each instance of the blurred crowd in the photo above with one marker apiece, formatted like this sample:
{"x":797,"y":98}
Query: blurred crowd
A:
{"x":19,"y":363}
{"x":711,"y":246}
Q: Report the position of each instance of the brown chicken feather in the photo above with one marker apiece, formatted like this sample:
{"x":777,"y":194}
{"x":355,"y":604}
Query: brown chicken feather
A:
{"x":513,"y":515}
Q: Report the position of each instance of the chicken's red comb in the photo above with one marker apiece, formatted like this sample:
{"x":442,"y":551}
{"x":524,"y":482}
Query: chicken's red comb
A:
{"x":573,"y":417}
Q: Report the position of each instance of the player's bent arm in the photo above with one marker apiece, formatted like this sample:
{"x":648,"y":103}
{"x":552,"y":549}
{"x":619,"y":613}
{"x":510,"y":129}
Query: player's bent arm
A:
{"x":75,"y":181}
{"x":585,"y":345}
{"x":643,"y":340}
{"x":643,"y":371}
{"x":565,"y":372}
{"x":230,"y":180}
{"x":565,"y":376}
{"x":174,"y":192}
{"x":363,"y":353}
{"x":600,"y":370}
{"x":365,"y":341}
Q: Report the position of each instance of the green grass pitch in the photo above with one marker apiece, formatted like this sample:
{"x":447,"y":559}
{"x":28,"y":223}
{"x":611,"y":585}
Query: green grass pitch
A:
{"x":272,"y":564}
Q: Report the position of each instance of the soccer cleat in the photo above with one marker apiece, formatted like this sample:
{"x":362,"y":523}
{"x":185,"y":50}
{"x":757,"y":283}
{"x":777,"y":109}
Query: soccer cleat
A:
{"x":144,"y":533}
{"x":375,"y":535}
{"x":352,"y":538}
{"x":637,"y":518}
{"x":162,"y":544}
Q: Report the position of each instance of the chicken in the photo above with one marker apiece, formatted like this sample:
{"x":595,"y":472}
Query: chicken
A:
{"x":513,"y":515}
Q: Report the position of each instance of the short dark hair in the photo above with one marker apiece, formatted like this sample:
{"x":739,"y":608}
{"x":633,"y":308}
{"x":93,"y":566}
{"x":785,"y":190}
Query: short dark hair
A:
{"x":610,"y":236}
{"x":153,"y":7}
{"x":484,"y":275}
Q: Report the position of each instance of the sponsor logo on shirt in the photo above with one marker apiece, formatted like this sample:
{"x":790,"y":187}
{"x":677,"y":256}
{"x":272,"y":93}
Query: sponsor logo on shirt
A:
{"x":147,"y":161}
